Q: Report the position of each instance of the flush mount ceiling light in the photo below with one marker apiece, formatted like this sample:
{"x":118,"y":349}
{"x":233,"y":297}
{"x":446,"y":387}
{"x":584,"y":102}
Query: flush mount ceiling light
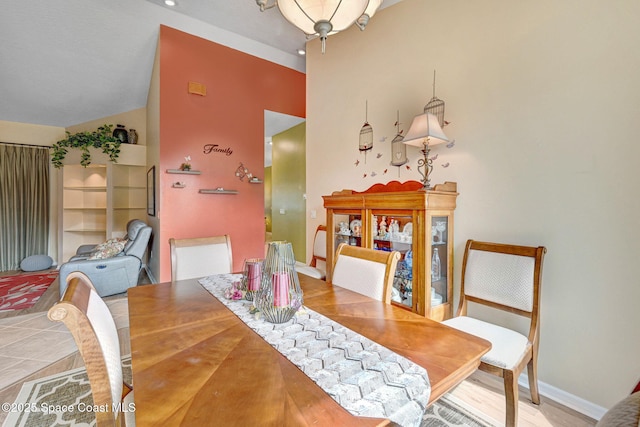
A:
{"x":324,"y":17}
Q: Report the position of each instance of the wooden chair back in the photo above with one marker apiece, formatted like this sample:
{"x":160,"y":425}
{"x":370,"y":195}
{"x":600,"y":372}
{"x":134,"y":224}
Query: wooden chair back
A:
{"x":508,"y":278}
{"x":200,"y":257}
{"x":367,"y":271}
{"x":318,"y":266}
{"x":504,"y":277}
{"x":89,"y":320}
{"x":319,"y":257}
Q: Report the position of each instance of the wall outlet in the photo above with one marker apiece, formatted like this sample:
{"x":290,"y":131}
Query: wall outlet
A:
{"x":282,"y":211}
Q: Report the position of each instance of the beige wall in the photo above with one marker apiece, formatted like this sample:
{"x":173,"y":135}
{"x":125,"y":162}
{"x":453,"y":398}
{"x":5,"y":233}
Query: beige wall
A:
{"x":25,"y":133}
{"x":543,"y":99}
{"x":153,"y":159}
{"x":288,"y":188}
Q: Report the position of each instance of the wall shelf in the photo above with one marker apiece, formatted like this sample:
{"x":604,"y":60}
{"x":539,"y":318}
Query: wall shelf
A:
{"x":217,"y":191}
{"x":178,"y":171}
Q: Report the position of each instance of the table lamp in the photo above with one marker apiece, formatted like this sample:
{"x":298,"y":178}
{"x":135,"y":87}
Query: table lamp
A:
{"x":424,"y":132}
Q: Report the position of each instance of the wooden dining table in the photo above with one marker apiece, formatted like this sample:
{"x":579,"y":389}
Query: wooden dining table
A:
{"x":195,"y":363}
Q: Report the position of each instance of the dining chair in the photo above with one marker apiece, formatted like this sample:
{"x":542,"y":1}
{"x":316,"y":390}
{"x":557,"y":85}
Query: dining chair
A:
{"x":200,"y":257}
{"x":366,"y":271}
{"x":503,"y":277}
{"x":317,"y":268}
{"x":91,"y":324}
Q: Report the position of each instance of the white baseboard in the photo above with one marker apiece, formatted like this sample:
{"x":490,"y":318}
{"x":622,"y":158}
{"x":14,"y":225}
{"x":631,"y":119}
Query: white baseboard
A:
{"x":567,"y":399}
{"x":149,"y":275}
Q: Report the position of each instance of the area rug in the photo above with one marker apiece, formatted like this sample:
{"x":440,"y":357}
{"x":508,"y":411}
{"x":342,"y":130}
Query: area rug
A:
{"x":22,"y":290}
{"x":62,"y":399}
{"x":71,"y":390}
{"x":450,"y":411}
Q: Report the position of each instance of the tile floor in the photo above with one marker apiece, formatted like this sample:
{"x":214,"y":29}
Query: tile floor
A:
{"x":32,"y":346}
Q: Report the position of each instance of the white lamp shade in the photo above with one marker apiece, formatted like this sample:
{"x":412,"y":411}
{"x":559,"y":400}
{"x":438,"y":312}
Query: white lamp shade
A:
{"x":305,"y":13}
{"x":425,"y":126}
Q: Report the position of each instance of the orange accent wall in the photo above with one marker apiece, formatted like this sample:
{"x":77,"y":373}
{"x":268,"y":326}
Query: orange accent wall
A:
{"x":239,"y":87}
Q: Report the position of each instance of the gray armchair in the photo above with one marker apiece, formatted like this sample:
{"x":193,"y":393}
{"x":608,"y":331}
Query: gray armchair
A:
{"x":114,"y":275}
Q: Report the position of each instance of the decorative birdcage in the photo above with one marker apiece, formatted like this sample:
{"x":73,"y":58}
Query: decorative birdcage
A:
{"x":398,"y":148}
{"x":252,"y":277}
{"x":366,"y":135}
{"x":435,"y":105}
{"x":279,"y":296}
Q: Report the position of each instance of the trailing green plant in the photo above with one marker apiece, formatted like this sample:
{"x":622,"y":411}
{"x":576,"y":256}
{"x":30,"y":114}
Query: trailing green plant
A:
{"x":101,"y":138}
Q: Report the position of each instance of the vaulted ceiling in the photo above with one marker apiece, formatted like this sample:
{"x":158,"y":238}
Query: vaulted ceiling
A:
{"x":68,"y":62}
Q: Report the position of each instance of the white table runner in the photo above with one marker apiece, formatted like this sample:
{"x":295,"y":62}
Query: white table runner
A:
{"x":364,"y":377}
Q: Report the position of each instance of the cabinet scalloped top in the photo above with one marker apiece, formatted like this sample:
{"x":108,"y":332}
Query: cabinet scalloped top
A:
{"x":395,"y":186}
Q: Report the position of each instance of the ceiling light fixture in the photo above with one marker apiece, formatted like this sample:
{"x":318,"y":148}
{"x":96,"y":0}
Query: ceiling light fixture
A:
{"x":170,"y":2}
{"x":324,"y":17}
{"x":368,"y":13}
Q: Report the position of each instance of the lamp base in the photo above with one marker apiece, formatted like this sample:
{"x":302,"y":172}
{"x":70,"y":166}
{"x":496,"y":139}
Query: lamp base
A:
{"x":425,"y":166}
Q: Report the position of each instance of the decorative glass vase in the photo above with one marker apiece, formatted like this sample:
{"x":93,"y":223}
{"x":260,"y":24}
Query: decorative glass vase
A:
{"x":279,"y":296}
{"x":252,"y":277}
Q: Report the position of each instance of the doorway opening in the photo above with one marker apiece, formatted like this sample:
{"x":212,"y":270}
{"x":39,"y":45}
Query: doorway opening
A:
{"x":285,"y":180}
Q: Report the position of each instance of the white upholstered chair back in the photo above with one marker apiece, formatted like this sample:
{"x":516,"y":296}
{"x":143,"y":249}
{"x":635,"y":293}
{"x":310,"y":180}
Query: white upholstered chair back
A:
{"x":318,"y":266}
{"x":319,"y":259}
{"x":200,"y":257}
{"x":504,"y":279}
{"x":90,"y":322}
{"x":366,"y":271}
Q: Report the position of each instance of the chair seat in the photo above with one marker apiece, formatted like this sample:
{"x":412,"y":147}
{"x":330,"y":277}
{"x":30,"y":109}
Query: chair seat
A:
{"x":307,"y":270}
{"x":507,"y":346}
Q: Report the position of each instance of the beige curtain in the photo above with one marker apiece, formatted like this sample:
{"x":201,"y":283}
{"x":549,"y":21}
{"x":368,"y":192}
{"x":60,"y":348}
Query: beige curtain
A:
{"x":24,"y":203}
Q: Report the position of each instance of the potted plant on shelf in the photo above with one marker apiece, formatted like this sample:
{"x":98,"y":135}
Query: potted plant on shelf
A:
{"x":186,"y":166}
{"x":101,"y":138}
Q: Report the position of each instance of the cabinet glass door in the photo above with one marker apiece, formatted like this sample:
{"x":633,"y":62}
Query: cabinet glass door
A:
{"x":348,"y":229}
{"x":395,"y":233}
{"x":439,"y":259}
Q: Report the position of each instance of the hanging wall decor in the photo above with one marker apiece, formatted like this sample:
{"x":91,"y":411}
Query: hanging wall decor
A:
{"x":435,"y":106}
{"x":366,"y":135}
{"x":398,"y":149}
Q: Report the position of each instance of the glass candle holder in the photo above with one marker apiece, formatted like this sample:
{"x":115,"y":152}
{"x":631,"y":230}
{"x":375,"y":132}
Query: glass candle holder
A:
{"x":252,"y":277}
{"x":279,"y":296}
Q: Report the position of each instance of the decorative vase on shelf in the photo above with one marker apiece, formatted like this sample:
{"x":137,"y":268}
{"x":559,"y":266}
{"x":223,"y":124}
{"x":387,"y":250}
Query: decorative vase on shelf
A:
{"x":279,"y":296}
{"x":436,"y":274}
{"x":121,"y":134}
{"x":133,"y":136}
